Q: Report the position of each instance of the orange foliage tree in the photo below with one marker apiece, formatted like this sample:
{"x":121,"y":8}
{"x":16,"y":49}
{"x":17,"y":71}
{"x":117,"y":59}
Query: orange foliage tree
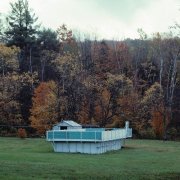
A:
{"x":130,"y":106}
{"x":157,"y":124}
{"x":44,"y":108}
{"x":83,"y":114}
{"x":106,"y":94}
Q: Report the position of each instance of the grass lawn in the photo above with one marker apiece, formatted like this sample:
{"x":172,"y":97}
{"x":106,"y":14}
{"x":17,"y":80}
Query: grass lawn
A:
{"x":140,"y":159}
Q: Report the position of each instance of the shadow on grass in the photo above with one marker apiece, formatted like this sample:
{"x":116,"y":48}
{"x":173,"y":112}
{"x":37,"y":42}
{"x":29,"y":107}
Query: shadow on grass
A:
{"x":128,"y":147}
{"x":168,"y":176}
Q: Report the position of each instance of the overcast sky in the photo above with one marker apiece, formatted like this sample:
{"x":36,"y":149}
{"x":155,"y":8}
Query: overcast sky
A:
{"x":109,"y":19}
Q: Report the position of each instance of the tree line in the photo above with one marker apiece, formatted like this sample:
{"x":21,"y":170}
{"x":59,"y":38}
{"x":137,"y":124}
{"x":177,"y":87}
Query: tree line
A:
{"x":48,"y":75}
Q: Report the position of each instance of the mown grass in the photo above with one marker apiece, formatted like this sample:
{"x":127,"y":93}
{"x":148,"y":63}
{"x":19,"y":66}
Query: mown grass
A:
{"x":140,"y":159}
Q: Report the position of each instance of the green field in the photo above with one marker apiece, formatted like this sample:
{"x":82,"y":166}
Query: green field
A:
{"x":140,"y":159}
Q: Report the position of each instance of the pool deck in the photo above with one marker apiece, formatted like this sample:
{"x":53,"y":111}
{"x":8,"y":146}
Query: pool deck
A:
{"x":88,"y":135}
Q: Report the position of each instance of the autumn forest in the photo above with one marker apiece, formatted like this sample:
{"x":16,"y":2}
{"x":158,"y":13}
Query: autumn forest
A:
{"x":48,"y":75}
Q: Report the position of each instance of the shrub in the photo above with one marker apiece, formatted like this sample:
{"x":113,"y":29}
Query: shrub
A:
{"x":3,"y":132}
{"x":178,"y":132}
{"x":172,"y":133}
{"x":22,"y":133}
{"x":147,"y":133}
{"x":13,"y":131}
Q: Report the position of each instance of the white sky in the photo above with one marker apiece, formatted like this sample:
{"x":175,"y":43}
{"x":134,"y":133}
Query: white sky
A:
{"x":108,"y":19}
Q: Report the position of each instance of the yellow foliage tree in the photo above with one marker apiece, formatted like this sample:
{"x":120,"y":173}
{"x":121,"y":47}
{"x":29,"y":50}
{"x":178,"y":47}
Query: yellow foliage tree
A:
{"x":8,"y":59}
{"x":11,"y":85}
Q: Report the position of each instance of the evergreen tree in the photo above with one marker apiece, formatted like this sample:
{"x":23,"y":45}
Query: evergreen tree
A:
{"x":22,"y":30}
{"x":48,"y":40}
